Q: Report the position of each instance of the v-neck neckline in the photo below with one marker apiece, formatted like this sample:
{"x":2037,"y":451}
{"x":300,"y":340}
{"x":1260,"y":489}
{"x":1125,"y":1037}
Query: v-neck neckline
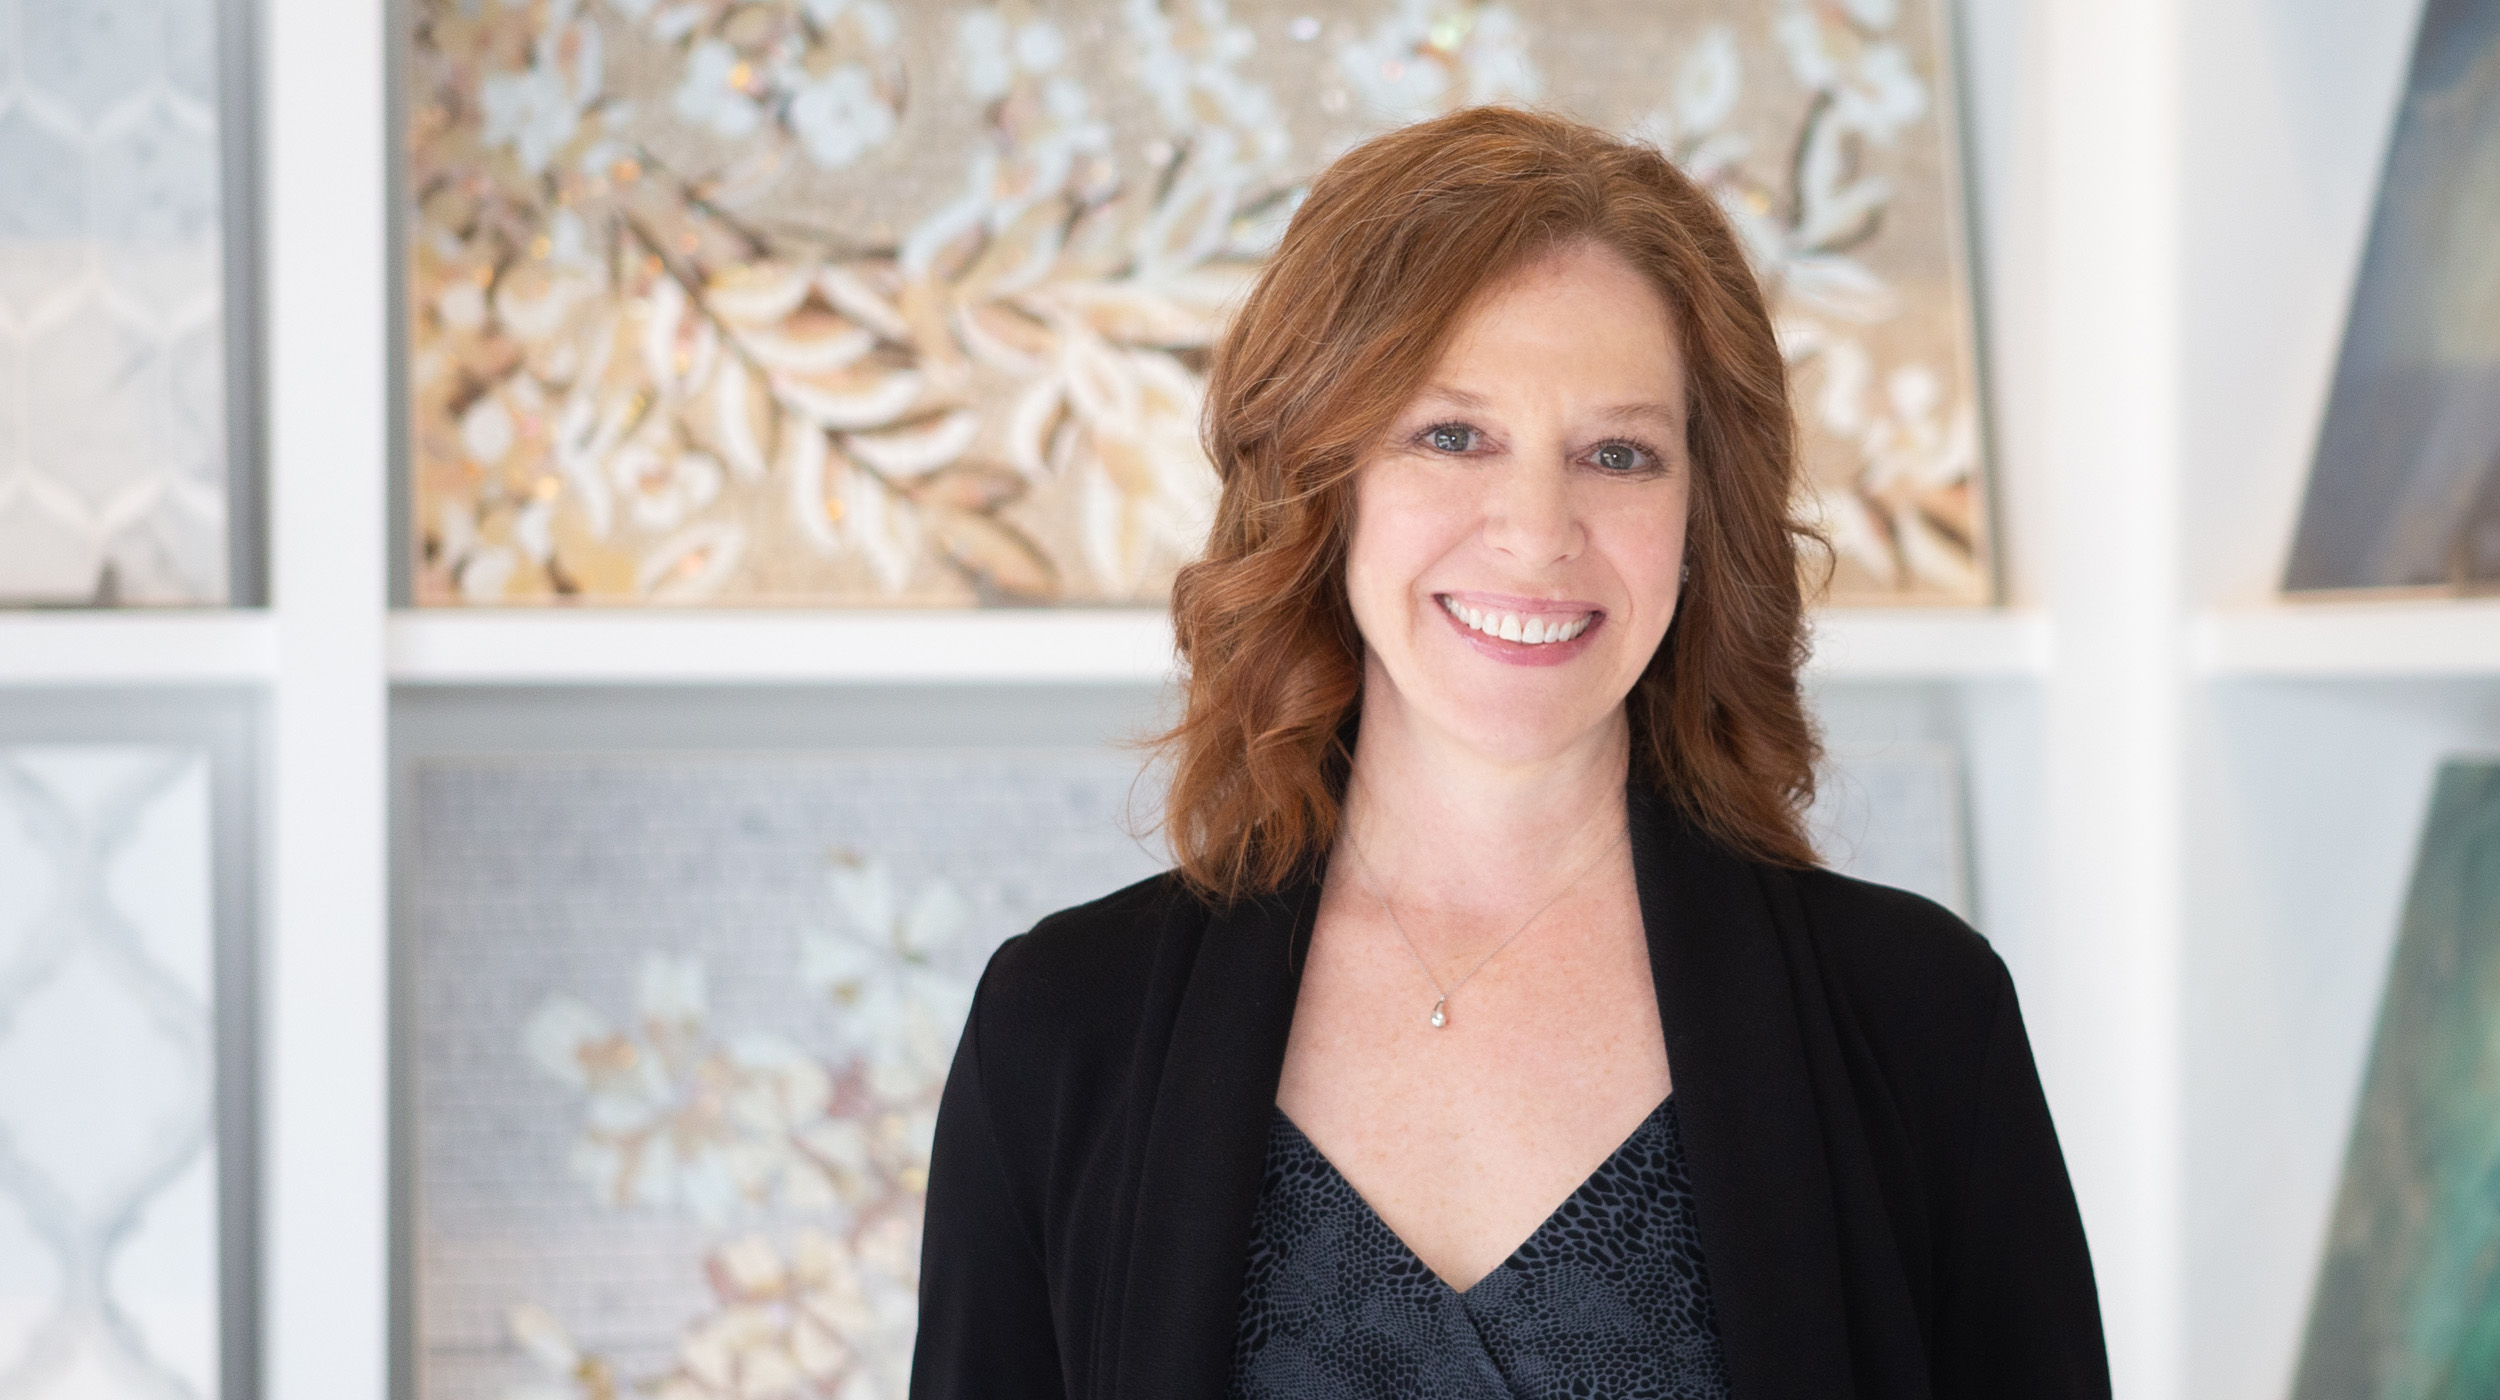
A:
{"x":1407,"y":1251}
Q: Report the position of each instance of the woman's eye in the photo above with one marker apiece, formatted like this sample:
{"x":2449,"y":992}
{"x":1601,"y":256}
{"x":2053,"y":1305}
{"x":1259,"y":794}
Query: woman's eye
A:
{"x":1450,"y":437}
{"x":1621,"y":457}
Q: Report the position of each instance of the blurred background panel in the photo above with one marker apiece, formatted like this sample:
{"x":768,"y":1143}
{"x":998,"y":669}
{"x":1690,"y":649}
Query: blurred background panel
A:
{"x":116,"y":452}
{"x":2405,"y":490}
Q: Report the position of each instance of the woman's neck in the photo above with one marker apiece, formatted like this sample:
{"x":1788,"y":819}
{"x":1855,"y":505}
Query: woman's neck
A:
{"x":1441,"y":826}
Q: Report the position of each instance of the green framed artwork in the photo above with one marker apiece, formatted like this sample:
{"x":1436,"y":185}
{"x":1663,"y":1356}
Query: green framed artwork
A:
{"x":2405,"y":489}
{"x":851,"y":302}
{"x":2406,"y":1305}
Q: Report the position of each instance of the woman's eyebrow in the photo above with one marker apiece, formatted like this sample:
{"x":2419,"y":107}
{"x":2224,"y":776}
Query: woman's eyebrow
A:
{"x":1626,"y":412}
{"x":1452,"y":397}
{"x":1455,"y":398}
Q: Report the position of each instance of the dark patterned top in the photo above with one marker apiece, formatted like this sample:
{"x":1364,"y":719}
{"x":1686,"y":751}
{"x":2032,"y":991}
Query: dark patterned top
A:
{"x":1608,"y":1297}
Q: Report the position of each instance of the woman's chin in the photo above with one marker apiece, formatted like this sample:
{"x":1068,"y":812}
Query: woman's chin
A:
{"x":1525,"y":732}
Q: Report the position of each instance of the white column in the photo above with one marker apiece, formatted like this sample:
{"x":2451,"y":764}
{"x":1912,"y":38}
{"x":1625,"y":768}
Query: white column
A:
{"x":325,"y":1182}
{"x":2109,"y":1039}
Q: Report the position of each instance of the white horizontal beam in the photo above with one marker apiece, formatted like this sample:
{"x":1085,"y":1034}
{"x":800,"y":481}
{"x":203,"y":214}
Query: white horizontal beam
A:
{"x":656,"y":647}
{"x":559,"y":647}
{"x":1929,"y":644}
{"x":2353,"y":640}
{"x":136,"y":648}
{"x":648,"y":647}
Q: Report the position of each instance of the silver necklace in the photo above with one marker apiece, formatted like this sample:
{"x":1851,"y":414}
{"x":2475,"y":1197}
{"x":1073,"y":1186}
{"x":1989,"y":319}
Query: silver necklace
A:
{"x":1440,"y":1006}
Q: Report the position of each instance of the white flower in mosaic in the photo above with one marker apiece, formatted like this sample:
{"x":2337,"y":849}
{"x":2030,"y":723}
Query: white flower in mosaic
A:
{"x":714,"y":92}
{"x":1902,"y":519}
{"x":538,"y":111}
{"x":1708,"y":84}
{"x":675,"y":1118}
{"x":661,"y":488}
{"x":829,"y":1316}
{"x":1840,"y":50}
{"x":888,"y":965}
{"x":841,"y":117}
{"x":571,"y":1374}
{"x":1430,"y":56}
{"x":1188,"y":55}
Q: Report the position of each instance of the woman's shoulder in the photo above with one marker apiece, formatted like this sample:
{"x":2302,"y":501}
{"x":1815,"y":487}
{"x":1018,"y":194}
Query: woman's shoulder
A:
{"x":1911,"y":969}
{"x":1083,"y":974}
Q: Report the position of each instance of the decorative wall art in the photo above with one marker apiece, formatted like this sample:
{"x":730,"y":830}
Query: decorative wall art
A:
{"x":108,"y":1202}
{"x":2408,"y":1302}
{"x":854,"y":302}
{"x":2405,"y":489}
{"x":1893,"y":814}
{"x":112,"y":338}
{"x":679,"y":1030}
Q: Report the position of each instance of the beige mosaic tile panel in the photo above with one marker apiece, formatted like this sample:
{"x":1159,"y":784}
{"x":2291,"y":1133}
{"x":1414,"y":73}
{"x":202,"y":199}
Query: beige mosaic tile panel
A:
{"x":853,"y":302}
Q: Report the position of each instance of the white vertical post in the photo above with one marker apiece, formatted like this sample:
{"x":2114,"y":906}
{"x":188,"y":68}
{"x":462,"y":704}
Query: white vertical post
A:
{"x":325,"y":1184}
{"x":2110,"y":1039}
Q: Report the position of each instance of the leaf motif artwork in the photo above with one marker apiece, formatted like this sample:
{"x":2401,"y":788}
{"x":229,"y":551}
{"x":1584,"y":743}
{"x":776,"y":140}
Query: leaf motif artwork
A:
{"x":852,"y":302}
{"x":2408,"y":1299}
{"x":680,"y":1029}
{"x":2404,"y":490}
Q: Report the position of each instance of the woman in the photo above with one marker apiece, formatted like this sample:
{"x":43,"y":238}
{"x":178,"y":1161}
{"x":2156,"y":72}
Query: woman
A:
{"x":1497,"y":1034}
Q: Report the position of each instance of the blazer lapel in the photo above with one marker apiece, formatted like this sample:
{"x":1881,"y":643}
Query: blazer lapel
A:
{"x":1205,"y":1147}
{"x":1761,"y":1180}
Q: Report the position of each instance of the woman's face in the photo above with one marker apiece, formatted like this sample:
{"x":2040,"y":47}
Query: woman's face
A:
{"x":1519,"y":534}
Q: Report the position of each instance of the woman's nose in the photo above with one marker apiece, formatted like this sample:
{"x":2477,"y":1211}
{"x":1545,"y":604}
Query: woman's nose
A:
{"x":1529,"y":513}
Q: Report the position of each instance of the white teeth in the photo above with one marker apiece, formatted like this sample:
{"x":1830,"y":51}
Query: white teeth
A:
{"x":1510,"y":627}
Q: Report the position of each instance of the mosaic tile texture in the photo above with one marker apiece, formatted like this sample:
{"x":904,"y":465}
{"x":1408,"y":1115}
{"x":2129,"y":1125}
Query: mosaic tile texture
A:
{"x":681,"y":1024}
{"x":108,"y":1201}
{"x":112,"y":350}
{"x":857,"y":302}
{"x":1893,"y":815}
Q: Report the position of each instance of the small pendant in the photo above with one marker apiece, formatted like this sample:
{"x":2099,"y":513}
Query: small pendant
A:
{"x":1440,"y":1018}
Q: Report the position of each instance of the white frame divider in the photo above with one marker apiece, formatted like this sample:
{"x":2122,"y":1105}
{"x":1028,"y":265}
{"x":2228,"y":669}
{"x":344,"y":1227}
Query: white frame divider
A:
{"x":2108,"y":1035}
{"x":325,"y":1185}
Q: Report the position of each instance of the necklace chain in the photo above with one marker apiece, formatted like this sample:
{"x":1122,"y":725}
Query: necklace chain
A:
{"x":1440,"y":1007}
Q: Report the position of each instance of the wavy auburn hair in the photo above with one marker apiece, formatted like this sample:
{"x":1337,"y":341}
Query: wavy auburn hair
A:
{"x":1394,"y":243}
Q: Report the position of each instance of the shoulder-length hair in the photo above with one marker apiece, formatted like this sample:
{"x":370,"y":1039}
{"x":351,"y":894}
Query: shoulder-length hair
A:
{"x":1345,"y":323}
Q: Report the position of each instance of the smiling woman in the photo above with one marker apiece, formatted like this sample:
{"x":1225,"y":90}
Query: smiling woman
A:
{"x":1336,"y":351}
{"x":1576,"y":1076}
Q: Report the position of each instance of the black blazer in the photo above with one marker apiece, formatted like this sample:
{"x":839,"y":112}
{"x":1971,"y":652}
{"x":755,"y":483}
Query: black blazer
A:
{"x":1881,"y":1200}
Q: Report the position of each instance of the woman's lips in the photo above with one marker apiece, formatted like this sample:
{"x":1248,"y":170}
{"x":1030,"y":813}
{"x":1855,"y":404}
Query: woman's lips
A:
{"x":1521,"y":631}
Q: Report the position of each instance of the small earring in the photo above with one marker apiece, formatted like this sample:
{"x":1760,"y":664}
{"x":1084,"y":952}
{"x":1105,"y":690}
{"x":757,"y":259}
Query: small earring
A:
{"x":1688,"y":572}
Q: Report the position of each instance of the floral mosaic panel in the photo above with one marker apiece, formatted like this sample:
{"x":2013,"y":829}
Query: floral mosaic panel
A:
{"x":681,"y":1025}
{"x":108,"y":1202}
{"x":112,"y":341}
{"x":857,"y":302}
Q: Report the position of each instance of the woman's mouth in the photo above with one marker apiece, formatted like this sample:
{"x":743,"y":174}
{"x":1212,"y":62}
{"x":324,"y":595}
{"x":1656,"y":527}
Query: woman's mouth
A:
{"x":1534,"y":629}
{"x":1519,"y":630}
